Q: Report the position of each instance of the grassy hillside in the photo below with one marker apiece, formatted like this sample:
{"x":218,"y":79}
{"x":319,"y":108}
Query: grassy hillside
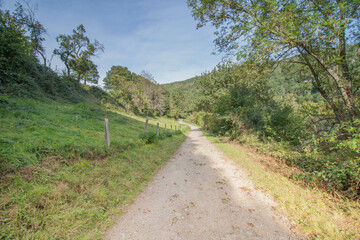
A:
{"x":59,"y":178}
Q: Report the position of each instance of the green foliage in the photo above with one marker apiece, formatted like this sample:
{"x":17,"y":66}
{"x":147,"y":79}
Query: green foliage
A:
{"x":236,"y":102}
{"x":334,"y":160}
{"x":20,"y":73}
{"x":15,"y":52}
{"x":183,"y":97}
{"x":148,"y":137}
{"x":75,"y":51}
{"x":135,"y":92}
{"x":312,"y":37}
{"x":246,"y":100}
{"x":197,"y":118}
{"x":246,"y":106}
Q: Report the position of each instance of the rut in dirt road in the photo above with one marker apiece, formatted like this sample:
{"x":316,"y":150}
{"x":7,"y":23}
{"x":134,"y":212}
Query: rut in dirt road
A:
{"x":200,"y":194}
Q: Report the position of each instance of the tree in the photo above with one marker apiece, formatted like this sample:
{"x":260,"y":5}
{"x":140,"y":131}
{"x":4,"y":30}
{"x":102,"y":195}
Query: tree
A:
{"x":149,"y":76}
{"x":19,"y":43}
{"x":119,"y":81}
{"x":313,"y":34}
{"x":116,"y":76}
{"x":34,"y":28}
{"x":90,"y":73}
{"x":76,"y":50}
{"x":136,"y":92}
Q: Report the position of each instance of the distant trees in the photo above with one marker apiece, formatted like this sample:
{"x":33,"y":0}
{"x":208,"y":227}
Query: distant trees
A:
{"x":136,"y":92}
{"x":76,"y":51}
{"x":321,"y":34}
{"x":177,"y":103}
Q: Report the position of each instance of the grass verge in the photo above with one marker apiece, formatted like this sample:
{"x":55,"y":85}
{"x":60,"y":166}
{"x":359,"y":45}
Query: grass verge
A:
{"x":316,"y":214}
{"x":76,"y":201}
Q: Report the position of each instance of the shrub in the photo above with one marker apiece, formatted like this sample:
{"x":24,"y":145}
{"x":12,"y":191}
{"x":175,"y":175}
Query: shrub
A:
{"x":148,"y":137}
{"x":333,"y":160}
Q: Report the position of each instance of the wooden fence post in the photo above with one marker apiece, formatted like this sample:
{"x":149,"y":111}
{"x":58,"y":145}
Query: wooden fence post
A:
{"x":146,"y":125}
{"x":107,"y":133}
{"x":157,"y":129}
{"x":175,"y":128}
{"x":165,"y":128}
{"x":171,"y":128}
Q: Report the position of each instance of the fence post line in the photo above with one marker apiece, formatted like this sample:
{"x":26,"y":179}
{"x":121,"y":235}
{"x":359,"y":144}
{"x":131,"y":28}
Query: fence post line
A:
{"x":157,"y":129}
{"x":107,"y":133}
{"x":165,"y":128}
{"x":175,"y":128}
{"x":171,"y":128}
{"x":146,"y":125}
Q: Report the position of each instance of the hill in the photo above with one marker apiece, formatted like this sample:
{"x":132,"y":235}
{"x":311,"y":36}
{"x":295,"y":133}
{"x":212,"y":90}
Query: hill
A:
{"x":187,"y":87}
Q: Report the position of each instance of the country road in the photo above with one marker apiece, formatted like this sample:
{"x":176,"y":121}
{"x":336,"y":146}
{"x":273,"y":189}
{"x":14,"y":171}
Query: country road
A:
{"x":200,"y":194}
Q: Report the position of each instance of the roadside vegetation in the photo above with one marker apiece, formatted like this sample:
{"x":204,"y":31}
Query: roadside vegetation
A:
{"x":314,"y":213}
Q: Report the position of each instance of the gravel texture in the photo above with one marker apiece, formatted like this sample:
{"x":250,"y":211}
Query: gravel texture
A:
{"x":201,"y":194}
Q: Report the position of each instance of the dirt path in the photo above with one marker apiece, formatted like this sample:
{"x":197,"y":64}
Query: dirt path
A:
{"x":200,"y":194}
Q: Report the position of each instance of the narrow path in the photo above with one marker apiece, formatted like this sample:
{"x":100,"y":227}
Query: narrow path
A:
{"x":200,"y":194}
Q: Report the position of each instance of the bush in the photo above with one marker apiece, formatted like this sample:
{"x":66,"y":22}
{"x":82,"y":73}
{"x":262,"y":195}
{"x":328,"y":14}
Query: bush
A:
{"x":148,"y":137}
{"x":333,"y":160}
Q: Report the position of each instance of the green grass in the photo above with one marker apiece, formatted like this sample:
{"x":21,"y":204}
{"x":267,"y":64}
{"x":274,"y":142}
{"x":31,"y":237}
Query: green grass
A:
{"x":59,"y":179}
{"x":315,"y":214}
{"x":31,"y":130}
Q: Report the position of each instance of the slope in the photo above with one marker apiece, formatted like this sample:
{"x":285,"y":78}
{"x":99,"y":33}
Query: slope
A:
{"x":59,"y":178}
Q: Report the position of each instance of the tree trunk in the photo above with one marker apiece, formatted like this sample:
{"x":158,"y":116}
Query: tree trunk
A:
{"x":68,"y":68}
{"x":349,"y":113}
{"x":43,"y":57}
{"x":345,"y":68}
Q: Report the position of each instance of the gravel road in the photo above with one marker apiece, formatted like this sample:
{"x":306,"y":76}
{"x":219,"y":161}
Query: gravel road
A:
{"x":200,"y":194}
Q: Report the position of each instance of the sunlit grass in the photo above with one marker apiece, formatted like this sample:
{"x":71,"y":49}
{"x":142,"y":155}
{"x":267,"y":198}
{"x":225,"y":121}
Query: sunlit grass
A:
{"x":31,"y":130}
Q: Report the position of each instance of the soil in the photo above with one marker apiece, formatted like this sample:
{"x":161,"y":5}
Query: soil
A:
{"x":201,"y":194}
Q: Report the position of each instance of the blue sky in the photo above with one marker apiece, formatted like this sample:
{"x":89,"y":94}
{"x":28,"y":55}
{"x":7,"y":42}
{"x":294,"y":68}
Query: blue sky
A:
{"x":158,"y":36}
